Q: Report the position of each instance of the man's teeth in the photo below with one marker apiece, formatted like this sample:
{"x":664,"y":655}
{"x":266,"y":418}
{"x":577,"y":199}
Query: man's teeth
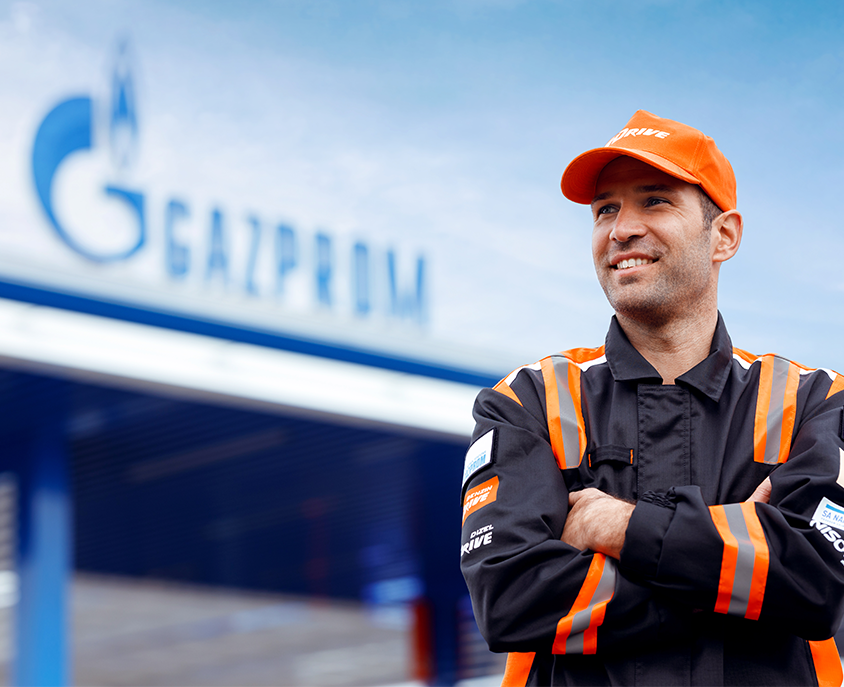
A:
{"x":633,"y":262}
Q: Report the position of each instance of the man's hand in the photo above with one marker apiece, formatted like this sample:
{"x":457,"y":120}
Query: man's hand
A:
{"x":762,"y":493}
{"x":597,"y":521}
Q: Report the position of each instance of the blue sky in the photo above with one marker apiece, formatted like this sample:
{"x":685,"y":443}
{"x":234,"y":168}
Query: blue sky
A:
{"x":449,"y":123}
{"x":521,"y":87}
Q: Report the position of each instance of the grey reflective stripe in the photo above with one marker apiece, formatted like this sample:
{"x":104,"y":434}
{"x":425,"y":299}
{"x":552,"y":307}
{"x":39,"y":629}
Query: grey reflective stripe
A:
{"x":574,"y":644}
{"x":568,"y":413}
{"x":746,"y":557}
{"x":582,"y":619}
{"x":773,"y":434}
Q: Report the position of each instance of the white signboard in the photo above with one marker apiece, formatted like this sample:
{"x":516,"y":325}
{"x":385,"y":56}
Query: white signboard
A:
{"x":129,"y":200}
{"x":379,"y":182}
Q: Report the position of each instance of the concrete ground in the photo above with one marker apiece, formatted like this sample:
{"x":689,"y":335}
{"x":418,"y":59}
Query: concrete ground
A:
{"x":130,"y":632}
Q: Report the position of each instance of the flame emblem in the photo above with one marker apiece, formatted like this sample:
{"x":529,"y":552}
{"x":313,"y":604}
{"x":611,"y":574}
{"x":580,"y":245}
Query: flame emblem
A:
{"x":123,"y":121}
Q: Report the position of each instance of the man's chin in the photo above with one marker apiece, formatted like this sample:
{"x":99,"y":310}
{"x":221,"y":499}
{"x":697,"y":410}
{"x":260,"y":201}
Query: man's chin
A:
{"x":651,"y":311}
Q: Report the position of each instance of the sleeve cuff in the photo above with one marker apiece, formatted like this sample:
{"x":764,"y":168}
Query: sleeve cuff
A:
{"x":643,"y":540}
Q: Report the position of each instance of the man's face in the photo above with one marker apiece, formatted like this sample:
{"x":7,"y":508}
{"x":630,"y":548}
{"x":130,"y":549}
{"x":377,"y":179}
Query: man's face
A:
{"x":652,"y":254}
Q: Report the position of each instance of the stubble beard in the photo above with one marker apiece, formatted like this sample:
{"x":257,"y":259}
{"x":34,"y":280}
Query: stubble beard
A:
{"x":676,"y":292}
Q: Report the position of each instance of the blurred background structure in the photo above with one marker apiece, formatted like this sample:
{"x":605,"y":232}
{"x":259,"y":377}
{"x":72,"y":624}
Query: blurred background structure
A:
{"x":257,"y":258}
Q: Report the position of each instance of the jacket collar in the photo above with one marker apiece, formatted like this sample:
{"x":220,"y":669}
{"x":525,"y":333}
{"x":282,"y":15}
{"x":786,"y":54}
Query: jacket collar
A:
{"x":709,"y":376}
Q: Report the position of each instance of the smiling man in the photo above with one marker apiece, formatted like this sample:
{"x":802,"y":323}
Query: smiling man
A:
{"x":665,"y":509}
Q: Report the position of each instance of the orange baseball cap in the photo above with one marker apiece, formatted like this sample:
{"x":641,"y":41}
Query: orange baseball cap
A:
{"x":670,"y":146}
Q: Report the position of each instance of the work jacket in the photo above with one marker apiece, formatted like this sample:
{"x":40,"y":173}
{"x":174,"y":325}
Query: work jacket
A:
{"x":709,"y":589}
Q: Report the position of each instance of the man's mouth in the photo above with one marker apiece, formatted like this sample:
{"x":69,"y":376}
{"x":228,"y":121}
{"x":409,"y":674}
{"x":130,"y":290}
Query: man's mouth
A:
{"x":633,"y":262}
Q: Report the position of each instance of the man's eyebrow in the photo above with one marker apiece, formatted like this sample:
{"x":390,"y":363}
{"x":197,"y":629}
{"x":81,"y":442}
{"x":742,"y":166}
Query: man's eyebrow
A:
{"x":656,"y":188}
{"x":651,"y":188}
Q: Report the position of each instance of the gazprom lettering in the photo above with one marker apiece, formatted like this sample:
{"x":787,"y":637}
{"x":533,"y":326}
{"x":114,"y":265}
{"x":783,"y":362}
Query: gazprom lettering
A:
{"x":476,"y":463}
{"x":209,"y":247}
{"x":272,"y":255}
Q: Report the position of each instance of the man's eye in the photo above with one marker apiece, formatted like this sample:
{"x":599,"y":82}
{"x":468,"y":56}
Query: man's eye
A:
{"x":605,"y":209}
{"x":655,"y":201}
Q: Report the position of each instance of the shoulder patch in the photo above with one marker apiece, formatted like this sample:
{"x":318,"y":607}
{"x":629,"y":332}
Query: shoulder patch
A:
{"x":829,"y":513}
{"x":482,"y":495}
{"x":478,"y":455}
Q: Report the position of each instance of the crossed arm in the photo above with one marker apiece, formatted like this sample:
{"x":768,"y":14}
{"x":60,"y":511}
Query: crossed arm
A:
{"x":598,"y":521}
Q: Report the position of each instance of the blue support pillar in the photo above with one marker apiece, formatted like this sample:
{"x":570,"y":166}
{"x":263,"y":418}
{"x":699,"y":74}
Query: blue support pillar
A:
{"x":439,"y":474}
{"x":44,"y":545}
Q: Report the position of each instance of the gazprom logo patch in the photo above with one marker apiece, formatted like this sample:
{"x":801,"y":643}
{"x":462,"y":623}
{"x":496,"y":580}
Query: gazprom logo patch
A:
{"x":478,"y":455}
{"x":829,"y":513}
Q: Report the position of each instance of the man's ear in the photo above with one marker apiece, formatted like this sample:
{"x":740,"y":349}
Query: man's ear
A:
{"x":726,"y":235}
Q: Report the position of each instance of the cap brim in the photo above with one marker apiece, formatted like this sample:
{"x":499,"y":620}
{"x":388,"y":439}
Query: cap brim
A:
{"x":581,"y":176}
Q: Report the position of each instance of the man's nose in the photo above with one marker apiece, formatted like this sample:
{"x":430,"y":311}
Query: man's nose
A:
{"x":628,"y":224}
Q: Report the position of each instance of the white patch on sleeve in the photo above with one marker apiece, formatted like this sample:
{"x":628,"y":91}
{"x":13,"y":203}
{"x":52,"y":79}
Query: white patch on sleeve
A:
{"x":478,"y":455}
{"x":840,"y":479}
{"x":829,"y":513}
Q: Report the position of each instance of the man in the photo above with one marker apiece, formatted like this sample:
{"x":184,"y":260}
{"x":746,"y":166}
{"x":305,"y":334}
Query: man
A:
{"x":665,"y":509}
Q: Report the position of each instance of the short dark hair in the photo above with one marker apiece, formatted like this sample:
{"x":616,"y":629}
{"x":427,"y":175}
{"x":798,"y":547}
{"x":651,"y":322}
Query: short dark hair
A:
{"x":710,"y":210}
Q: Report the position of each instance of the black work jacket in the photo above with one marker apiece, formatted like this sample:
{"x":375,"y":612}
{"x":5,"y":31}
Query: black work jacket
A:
{"x":709,"y":590}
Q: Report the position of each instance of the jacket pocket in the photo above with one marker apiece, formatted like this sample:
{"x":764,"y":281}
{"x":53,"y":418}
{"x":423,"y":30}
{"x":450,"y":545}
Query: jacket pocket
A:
{"x":611,"y":469}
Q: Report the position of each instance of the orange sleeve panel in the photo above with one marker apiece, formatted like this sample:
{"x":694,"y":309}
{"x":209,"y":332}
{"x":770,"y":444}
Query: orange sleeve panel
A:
{"x":577,"y":632}
{"x":744,"y":563}
{"x":776,"y":409}
{"x":827,"y":663}
{"x":566,"y":428}
{"x":517,"y":669}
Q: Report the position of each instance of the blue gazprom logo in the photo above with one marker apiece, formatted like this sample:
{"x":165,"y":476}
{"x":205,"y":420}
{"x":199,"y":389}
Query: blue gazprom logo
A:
{"x":68,"y":129}
{"x":274,"y":261}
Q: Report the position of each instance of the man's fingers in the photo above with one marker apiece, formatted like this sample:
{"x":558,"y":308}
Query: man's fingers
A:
{"x":762,"y":493}
{"x":597,"y":521}
{"x":577,"y":524}
{"x":574,"y":497}
{"x":590,"y":493}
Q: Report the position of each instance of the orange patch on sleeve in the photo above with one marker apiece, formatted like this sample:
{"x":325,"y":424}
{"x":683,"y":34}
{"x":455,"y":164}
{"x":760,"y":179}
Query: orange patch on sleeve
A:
{"x":482,"y":495}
